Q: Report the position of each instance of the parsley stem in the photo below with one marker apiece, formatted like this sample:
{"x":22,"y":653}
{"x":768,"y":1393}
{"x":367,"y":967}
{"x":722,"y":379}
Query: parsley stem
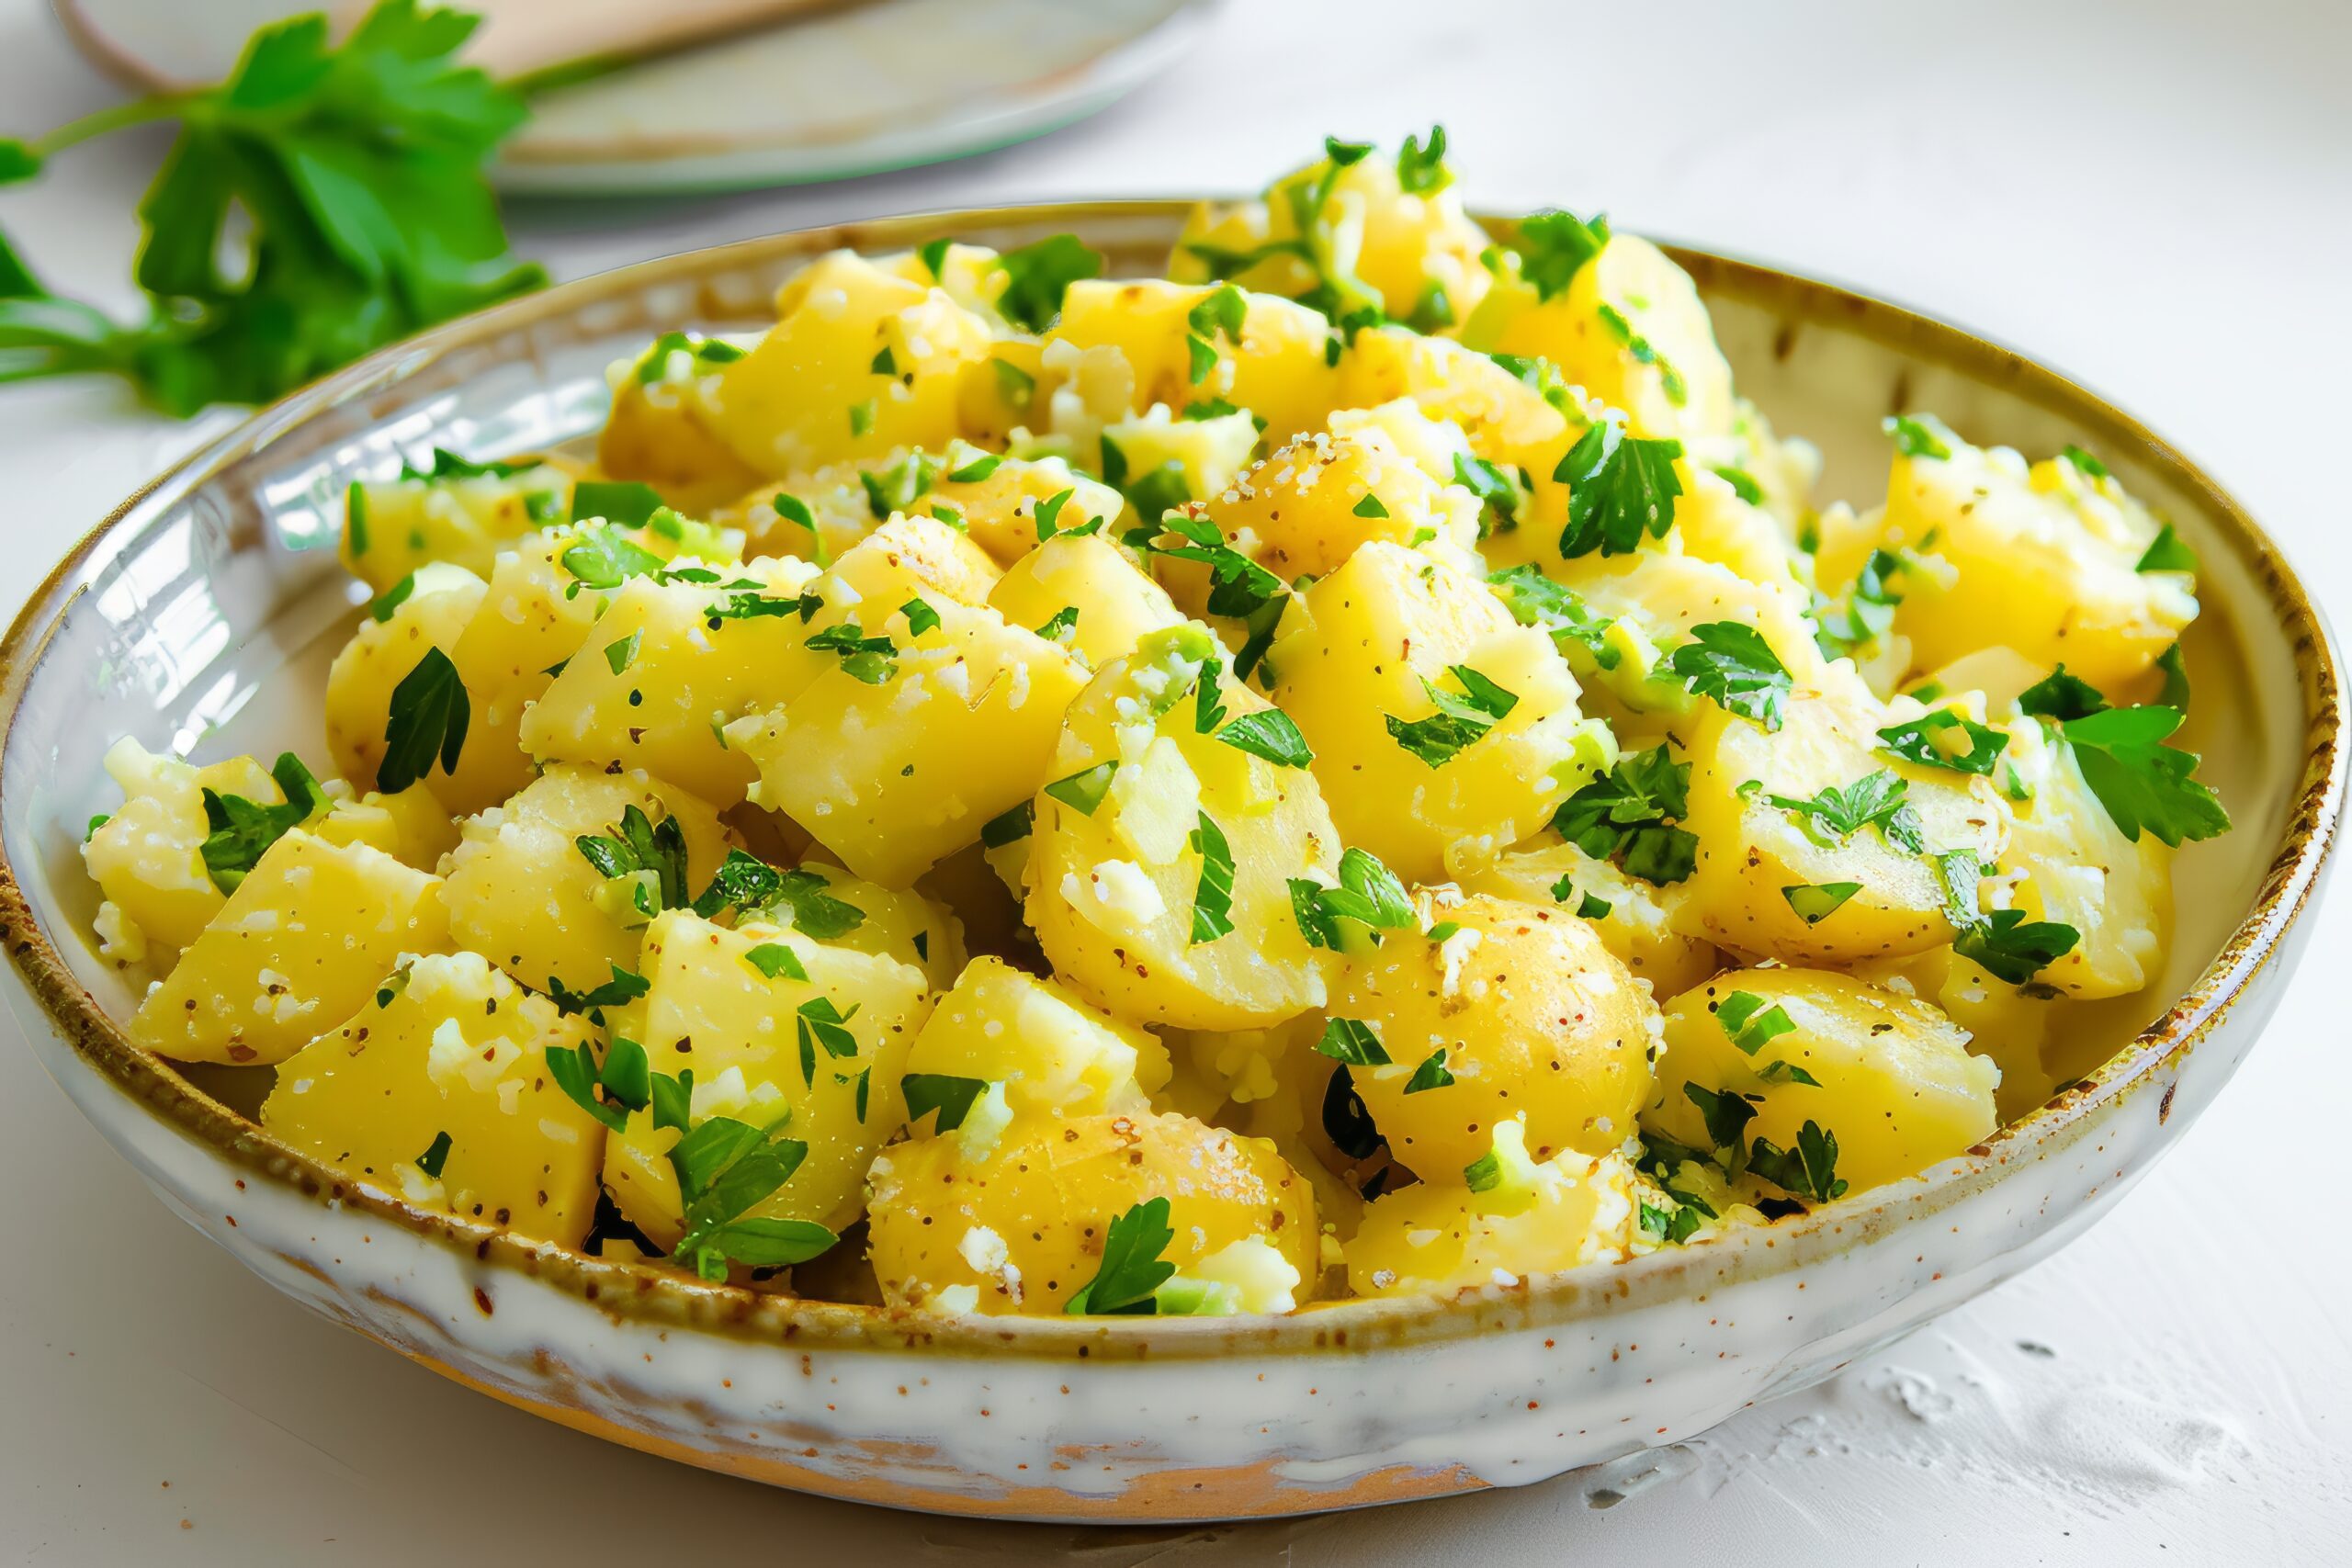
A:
{"x":138,"y":111}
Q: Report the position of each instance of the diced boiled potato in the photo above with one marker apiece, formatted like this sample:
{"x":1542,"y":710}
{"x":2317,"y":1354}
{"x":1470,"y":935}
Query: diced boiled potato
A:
{"x":660,"y":430}
{"x":2009,"y":1025}
{"x":450,"y":1048}
{"x":1754,"y":854}
{"x":1307,"y":508}
{"x":390,"y":530}
{"x":1528,"y":1011}
{"x":1414,"y":254}
{"x":1022,"y":1223}
{"x":411,"y":827}
{"x":860,"y":362}
{"x":1659,"y":599}
{"x":1359,"y":655}
{"x":997,"y":504}
{"x":305,"y":938}
{"x":713,"y":1009}
{"x":1714,"y":523}
{"x":533,"y":617}
{"x":1117,"y":603}
{"x":1887,"y":1076}
{"x":2042,"y":561}
{"x":147,"y":856}
{"x":1278,"y":370}
{"x":895,"y":766}
{"x":906,"y":557}
{"x":667,"y":665}
{"x":2073,"y":866}
{"x":1565,"y":1213}
{"x":1629,"y":328}
{"x":521,"y":892}
{"x":1638,"y":923}
{"x":1197,"y":454}
{"x":1115,"y":871}
{"x":384,"y":653}
{"x":1053,"y":1052}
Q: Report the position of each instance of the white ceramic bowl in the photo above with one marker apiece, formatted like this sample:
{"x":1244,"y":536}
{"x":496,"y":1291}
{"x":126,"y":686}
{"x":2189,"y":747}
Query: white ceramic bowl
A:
{"x":219,"y":583}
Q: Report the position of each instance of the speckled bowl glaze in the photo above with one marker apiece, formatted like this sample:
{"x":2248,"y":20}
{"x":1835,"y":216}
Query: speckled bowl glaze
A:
{"x":219,"y":583}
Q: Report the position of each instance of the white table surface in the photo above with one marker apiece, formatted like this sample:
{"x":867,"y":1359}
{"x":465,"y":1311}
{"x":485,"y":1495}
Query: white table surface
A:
{"x":2154,"y":195}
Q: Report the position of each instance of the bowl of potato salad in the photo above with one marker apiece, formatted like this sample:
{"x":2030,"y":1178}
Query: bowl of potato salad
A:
{"x":1150,"y":861}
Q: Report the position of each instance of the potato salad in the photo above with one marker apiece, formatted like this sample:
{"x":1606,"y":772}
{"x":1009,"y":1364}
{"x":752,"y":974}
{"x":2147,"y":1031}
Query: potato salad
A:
{"x":1358,"y":767}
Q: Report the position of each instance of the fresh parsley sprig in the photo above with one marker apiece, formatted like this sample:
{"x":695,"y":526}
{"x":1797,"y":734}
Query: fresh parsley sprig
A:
{"x":1132,"y":1268}
{"x":241,"y":831}
{"x":2143,"y":784}
{"x":1628,"y":815}
{"x":357,"y":171}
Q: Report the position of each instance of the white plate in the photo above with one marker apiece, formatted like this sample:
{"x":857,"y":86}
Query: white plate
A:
{"x":886,"y":85}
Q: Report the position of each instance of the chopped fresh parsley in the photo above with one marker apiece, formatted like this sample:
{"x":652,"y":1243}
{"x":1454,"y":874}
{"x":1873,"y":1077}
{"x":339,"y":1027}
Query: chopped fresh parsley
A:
{"x":724,"y":1169}
{"x":1534,"y":599}
{"x":872,"y":660}
{"x":1748,"y":1024}
{"x":1554,"y":246}
{"x":1084,"y":791}
{"x":239,"y":831}
{"x":636,"y":844}
{"x":1499,"y":497}
{"x":1352,"y":1041}
{"x":1460,"y":719}
{"x":1867,"y":612}
{"x":436,"y":1155}
{"x":1727,"y":1115}
{"x":2061,"y":696}
{"x":1809,"y":1171}
{"x":774,"y":961}
{"x":1009,"y":827}
{"x":605,"y":557}
{"x":1213,"y":898}
{"x":626,"y":985}
{"x":1833,"y":815}
{"x":2168,"y":553}
{"x":2144,"y":784}
{"x":950,"y":1096}
{"x":2175,"y":688}
{"x":899,"y":485}
{"x":1917,"y":436}
{"x":1735,"y":666}
{"x":1370,"y":506}
{"x":624,"y":503}
{"x":921,"y":616}
{"x":1814,"y":903}
{"x":1431,"y":1074}
{"x":1420,"y":167}
{"x":1743,"y":483}
{"x":426,"y":724}
{"x":1037,"y":275}
{"x":1239,"y":587}
{"x":817,"y":1023}
{"x":1131,"y":1270}
{"x":1060,"y":626}
{"x":1626,"y":815}
{"x":1370,"y":896}
{"x":1930,"y":741}
{"x":1621,"y":487}
{"x":1268,"y":733}
{"x":2089,"y":466}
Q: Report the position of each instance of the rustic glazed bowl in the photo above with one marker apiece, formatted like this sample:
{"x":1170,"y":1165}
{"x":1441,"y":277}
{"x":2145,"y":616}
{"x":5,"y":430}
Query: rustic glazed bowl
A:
{"x":219,"y":583}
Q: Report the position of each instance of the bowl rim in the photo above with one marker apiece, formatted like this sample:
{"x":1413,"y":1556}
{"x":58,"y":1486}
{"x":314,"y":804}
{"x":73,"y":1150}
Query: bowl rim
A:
{"x":667,"y":1299}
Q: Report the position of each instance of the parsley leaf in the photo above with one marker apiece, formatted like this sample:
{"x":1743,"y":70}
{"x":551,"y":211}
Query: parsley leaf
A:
{"x":725,"y":1169}
{"x":774,"y":961}
{"x":1351,"y":1041}
{"x":950,"y":1096}
{"x":1368,"y":895}
{"x":626,"y":985}
{"x":2143,"y":784}
{"x":1928,"y":741}
{"x":1867,"y":611}
{"x":1620,"y":488}
{"x":1459,"y":721}
{"x":1084,"y":791}
{"x":1734,"y":665}
{"x":1420,"y":168}
{"x":1239,"y":587}
{"x":2061,"y":696}
{"x":1833,"y":815}
{"x":436,"y":1155}
{"x":1554,"y":246}
{"x":1726,"y":1114}
{"x":1271,"y":734}
{"x":872,"y":660}
{"x":1809,"y":1171}
{"x":241,"y":831}
{"x":1213,"y":898}
{"x":1625,"y":813}
{"x":623,"y":503}
{"x":361,"y":215}
{"x":1534,"y":599}
{"x":427,"y":723}
{"x":1132,"y":1267}
{"x":1814,"y":903}
{"x":1750,"y":1024}
{"x":2168,"y":554}
{"x":2013,"y":947}
{"x":637,"y":844}
{"x":1037,"y":275}
{"x":1918,"y":436}
{"x":1431,"y":1074}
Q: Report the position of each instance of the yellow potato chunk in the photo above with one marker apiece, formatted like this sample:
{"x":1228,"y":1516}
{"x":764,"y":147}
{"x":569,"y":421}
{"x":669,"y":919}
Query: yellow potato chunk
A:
{"x":860,"y":362}
{"x":147,"y":856}
{"x":1307,"y":509}
{"x":1526,"y":1010}
{"x":2042,"y":561}
{"x":533,"y":616}
{"x":304,"y":940}
{"x":1020,"y":1224}
{"x":1054,"y":1054}
{"x":1412,"y":252}
{"x":1887,"y":1076}
{"x":1117,"y":858}
{"x":1635,"y":917}
{"x":660,"y":430}
{"x":381,"y":655}
{"x":1522,"y":426}
{"x":450,"y":1048}
{"x":1629,"y":328}
{"x":714,"y":1008}
{"x":1570,"y":1211}
{"x":1369,"y":659}
{"x":1115,"y":602}
{"x":894,"y":764}
{"x":390,"y":530}
{"x":996,"y":506}
{"x":1773,"y":880}
{"x":1277,"y":370}
{"x":411,"y":827}
{"x":521,"y":892}
{"x":667,"y":665}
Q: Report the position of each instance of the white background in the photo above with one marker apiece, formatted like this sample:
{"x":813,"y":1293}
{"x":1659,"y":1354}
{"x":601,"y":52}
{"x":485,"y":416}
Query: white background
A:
{"x":2155,"y":197}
